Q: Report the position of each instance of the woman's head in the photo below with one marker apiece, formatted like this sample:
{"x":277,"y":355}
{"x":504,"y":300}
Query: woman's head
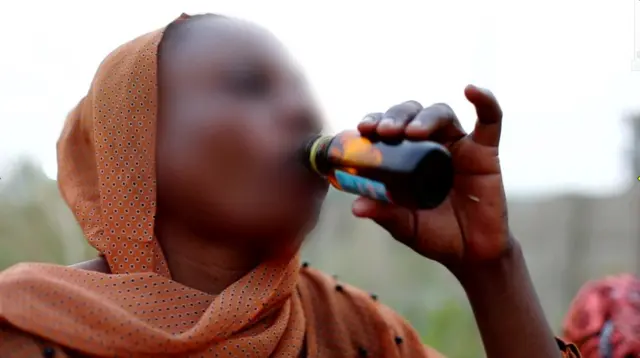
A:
{"x":233,"y":111}
{"x":191,"y":129}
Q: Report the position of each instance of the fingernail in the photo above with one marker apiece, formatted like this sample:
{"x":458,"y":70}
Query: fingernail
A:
{"x":387,"y":122}
{"x":358,"y":208}
{"x":367,"y":119}
{"x":415,"y":124}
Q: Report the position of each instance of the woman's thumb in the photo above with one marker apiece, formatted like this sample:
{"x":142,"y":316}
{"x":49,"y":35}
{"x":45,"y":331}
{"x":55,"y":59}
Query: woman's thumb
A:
{"x":398,"y":221}
{"x":489,"y":123}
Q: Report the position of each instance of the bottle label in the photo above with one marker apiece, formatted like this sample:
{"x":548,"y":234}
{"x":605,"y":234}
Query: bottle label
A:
{"x":362,"y":186}
{"x":351,"y":149}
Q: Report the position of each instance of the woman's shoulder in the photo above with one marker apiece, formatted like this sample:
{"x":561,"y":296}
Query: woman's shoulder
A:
{"x":16,"y":282}
{"x":329,"y":290}
{"x":17,"y":343}
{"x":342,"y":309}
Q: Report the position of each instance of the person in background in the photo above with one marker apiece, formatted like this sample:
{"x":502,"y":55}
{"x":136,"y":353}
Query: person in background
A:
{"x":180,"y":166}
{"x":604,"y":318}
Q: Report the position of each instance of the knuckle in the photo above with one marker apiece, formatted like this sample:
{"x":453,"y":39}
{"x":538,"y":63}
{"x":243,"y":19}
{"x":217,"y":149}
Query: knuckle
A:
{"x":395,"y":112}
{"x":444,"y":111}
{"x":413,"y":105}
{"x":404,"y":111}
{"x":443,"y":107}
{"x":372,"y":117}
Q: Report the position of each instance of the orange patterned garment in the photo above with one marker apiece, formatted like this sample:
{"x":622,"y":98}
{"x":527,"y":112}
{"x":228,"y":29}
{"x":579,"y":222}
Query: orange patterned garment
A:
{"x":604,"y":318}
{"x":107,"y":176}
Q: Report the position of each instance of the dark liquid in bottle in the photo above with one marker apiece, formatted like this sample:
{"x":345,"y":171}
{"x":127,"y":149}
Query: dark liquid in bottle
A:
{"x":417,"y":175}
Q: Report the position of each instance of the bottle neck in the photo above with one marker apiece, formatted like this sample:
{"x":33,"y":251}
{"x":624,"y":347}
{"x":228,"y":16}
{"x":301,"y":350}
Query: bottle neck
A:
{"x":318,"y":159}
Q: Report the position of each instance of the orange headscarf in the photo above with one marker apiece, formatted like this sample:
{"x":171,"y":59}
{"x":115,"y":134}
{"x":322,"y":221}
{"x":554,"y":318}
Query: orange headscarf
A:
{"x":106,"y":157}
{"x":604,"y":318}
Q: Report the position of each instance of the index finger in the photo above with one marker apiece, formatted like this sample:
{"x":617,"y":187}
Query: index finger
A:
{"x":369,"y":123}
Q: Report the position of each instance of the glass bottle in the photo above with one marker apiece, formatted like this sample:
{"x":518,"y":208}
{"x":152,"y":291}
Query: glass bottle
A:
{"x":413,"y":174}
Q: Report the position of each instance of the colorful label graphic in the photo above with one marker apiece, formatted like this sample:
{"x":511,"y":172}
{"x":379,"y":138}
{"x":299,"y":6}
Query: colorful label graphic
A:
{"x":362,"y":186}
{"x":353,"y":149}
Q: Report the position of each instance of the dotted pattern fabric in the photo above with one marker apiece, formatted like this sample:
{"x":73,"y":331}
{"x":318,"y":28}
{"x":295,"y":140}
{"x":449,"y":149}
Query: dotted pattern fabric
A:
{"x":106,"y":159}
{"x":614,"y":299}
{"x":106,"y":162}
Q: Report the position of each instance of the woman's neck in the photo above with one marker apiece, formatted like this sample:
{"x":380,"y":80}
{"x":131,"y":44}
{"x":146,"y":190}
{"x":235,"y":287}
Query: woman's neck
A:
{"x":203,"y":263}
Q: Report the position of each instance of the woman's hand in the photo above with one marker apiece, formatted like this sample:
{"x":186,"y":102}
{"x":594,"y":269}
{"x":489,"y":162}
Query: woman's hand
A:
{"x":471,"y":224}
{"x":469,"y":232}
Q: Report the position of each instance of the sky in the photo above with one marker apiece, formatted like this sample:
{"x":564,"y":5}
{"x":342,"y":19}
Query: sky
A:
{"x":562,"y":71}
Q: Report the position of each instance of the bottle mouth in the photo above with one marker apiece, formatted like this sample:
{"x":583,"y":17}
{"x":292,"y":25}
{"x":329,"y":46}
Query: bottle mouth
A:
{"x":308,"y":151}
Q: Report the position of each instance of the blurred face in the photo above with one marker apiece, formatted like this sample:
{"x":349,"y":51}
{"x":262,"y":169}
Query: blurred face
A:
{"x":234,"y":110}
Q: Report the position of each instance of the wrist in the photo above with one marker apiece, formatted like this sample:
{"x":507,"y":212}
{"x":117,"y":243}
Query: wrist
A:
{"x":505,"y":304}
{"x":491,"y":272}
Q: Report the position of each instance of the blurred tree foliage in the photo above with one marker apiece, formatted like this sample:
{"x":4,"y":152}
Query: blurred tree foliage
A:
{"x":36,"y":225}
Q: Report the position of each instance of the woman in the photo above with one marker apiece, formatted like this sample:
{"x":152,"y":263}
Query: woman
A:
{"x":178,"y":165}
{"x":604,"y":318}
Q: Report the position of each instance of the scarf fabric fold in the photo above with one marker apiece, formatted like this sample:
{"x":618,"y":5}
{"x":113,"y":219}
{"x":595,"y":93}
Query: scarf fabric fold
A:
{"x":106,"y":158}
